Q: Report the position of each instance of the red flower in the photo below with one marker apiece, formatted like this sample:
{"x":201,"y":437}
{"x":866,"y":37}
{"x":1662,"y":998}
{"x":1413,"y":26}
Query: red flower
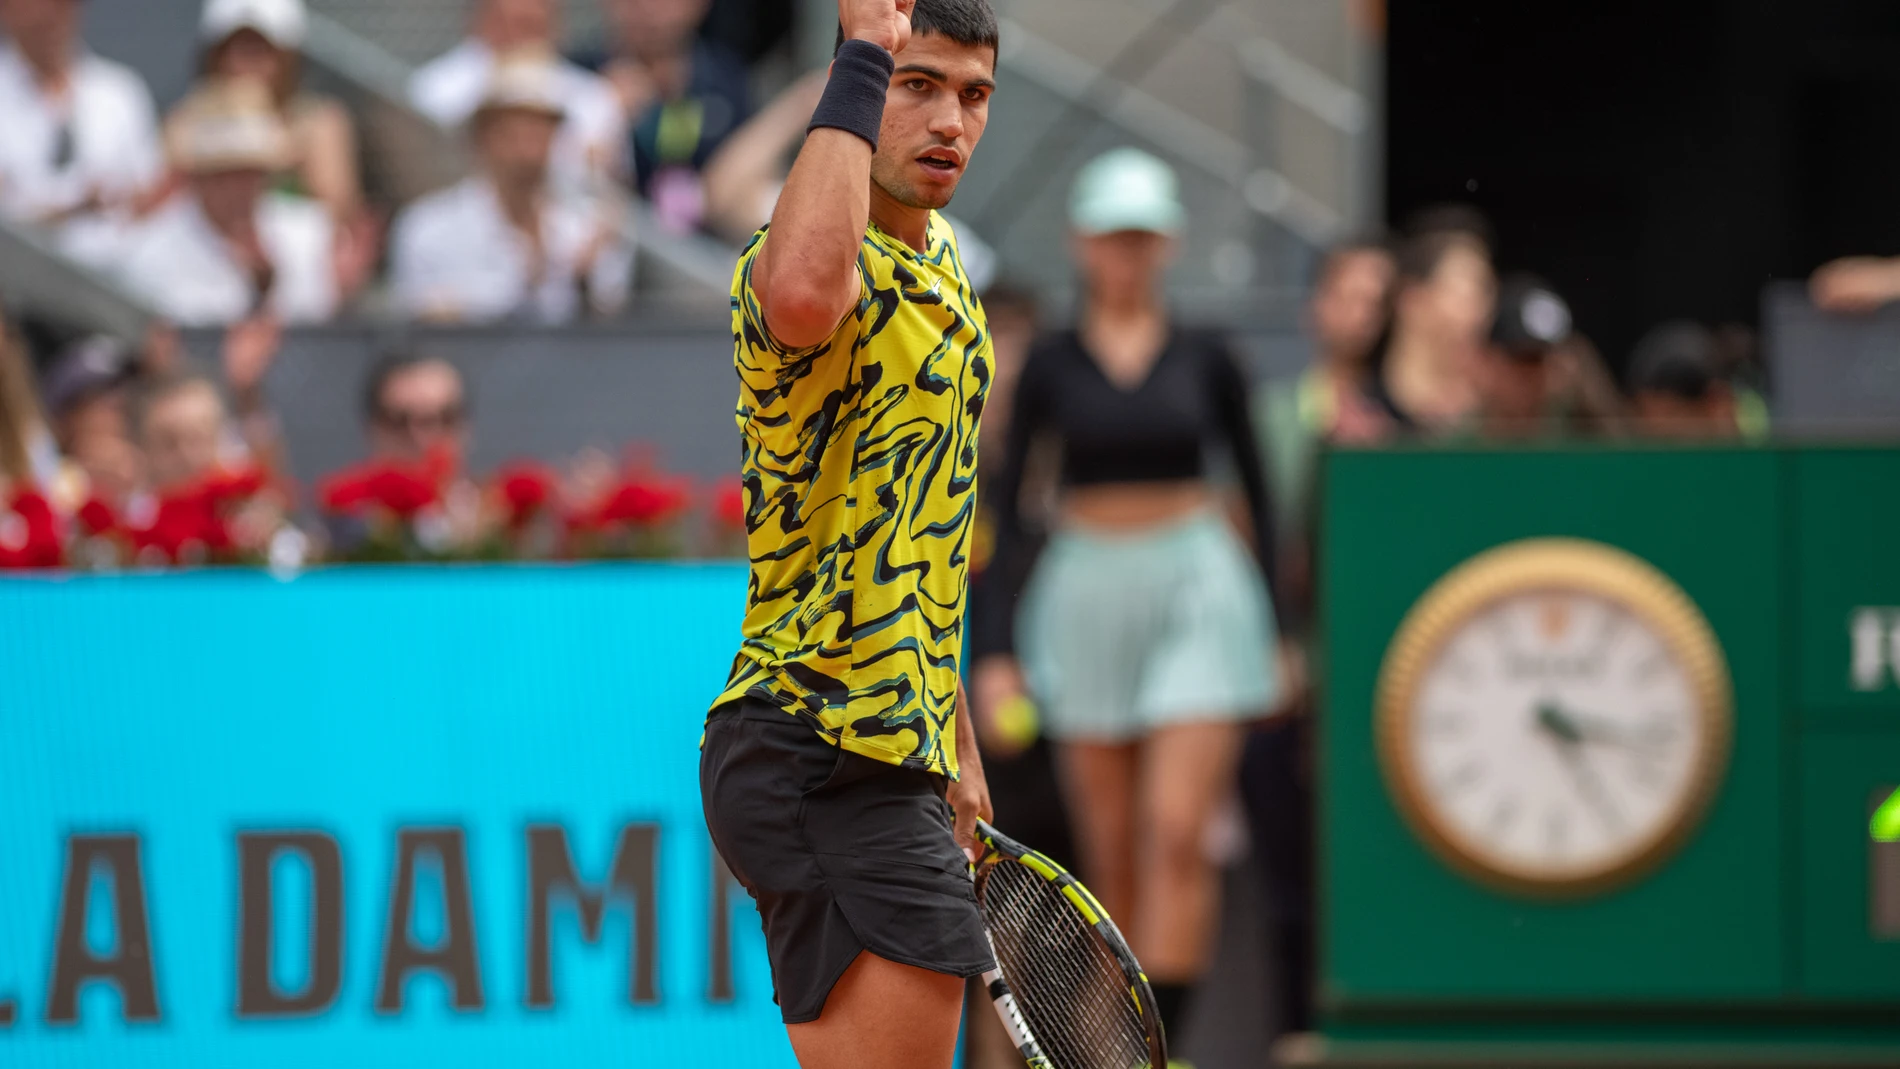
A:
{"x":391,"y":485}
{"x":729,"y":506}
{"x":645,"y":502}
{"x":221,"y":487}
{"x":96,"y":518}
{"x":29,"y":533}
{"x":186,"y":520}
{"x":525,"y":489}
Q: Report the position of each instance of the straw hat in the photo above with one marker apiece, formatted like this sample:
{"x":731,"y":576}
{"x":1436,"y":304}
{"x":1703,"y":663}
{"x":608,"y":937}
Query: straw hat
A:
{"x":228,"y":125}
{"x":525,"y":80}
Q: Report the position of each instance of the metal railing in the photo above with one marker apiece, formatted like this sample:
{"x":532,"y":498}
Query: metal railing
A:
{"x":35,"y":278}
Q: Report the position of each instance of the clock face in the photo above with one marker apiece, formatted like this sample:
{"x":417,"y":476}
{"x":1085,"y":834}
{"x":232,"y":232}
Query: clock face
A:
{"x":1558,"y":728}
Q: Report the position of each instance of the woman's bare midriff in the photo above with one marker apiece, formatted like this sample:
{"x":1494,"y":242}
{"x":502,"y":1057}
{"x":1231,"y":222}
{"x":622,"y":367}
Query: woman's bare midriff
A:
{"x":1122,"y":508}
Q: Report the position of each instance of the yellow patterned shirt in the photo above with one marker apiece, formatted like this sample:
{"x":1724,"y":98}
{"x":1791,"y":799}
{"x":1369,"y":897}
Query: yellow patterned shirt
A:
{"x":860,"y":483}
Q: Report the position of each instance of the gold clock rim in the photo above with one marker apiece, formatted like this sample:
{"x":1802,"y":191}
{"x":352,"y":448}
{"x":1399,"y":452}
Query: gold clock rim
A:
{"x":1569,"y":564}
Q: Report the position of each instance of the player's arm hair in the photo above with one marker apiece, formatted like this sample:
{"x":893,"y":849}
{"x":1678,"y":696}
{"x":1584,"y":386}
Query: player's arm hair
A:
{"x":806,"y":275}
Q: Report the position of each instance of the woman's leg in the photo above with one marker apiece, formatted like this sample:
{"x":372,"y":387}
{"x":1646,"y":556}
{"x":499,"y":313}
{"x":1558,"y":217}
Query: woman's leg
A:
{"x":1186,"y":770}
{"x":1099,"y":784}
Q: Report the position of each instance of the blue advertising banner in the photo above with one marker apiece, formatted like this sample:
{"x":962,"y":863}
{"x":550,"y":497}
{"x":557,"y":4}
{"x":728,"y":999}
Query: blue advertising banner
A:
{"x":370,"y":817}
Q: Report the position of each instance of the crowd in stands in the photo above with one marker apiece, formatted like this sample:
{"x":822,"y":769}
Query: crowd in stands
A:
{"x":247,"y":197}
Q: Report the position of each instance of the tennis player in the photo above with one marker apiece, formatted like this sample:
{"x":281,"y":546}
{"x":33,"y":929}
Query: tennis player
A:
{"x":839,"y":772}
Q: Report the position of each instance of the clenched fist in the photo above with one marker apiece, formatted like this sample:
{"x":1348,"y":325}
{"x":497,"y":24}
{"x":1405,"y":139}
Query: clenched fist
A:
{"x":884,"y":23}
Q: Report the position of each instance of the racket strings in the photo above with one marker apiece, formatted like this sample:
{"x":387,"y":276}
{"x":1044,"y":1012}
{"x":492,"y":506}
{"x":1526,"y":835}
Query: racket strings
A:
{"x":1068,"y":986}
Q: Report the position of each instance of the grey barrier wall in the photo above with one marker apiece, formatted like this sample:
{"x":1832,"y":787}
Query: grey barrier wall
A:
{"x":1832,"y":375}
{"x":665,"y":380}
{"x":533,"y":393}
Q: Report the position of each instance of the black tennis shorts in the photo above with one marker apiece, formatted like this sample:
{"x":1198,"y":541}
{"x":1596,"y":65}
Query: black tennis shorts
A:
{"x":841,"y":853}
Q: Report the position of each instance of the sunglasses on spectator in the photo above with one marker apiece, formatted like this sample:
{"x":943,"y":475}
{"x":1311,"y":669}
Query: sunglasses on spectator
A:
{"x":421,"y":422}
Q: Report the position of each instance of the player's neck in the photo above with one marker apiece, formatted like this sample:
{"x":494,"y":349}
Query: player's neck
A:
{"x":901,"y":221}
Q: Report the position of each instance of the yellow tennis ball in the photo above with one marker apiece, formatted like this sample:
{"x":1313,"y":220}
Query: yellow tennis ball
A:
{"x":1017,"y":721}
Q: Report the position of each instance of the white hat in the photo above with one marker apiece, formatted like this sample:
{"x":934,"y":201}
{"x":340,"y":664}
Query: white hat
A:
{"x":228,"y":126}
{"x":281,"y":22}
{"x":1126,"y":189}
{"x":524,"y":81}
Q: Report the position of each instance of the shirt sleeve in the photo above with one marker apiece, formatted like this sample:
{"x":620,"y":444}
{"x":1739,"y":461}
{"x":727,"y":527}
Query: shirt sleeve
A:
{"x":759,"y":346}
{"x":994,"y":597}
{"x":1230,"y":391}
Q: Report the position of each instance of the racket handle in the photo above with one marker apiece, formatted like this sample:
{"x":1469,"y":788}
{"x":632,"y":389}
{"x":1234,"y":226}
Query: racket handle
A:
{"x":1013,"y":1022}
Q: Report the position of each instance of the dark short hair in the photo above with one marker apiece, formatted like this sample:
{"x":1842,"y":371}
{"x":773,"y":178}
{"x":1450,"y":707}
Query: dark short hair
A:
{"x":1678,"y":358}
{"x":967,"y":22}
{"x":393,"y":363}
{"x":1453,"y":218}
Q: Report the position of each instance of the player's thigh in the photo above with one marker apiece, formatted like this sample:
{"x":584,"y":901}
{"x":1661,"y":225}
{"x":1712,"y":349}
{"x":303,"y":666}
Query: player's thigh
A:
{"x":1187,"y":770}
{"x":881,"y":1013}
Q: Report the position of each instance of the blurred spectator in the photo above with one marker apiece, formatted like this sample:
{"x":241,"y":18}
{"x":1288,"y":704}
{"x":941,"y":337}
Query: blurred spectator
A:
{"x":1143,"y":682}
{"x":1331,"y":400}
{"x":682,"y":94}
{"x":259,"y":40}
{"x":1514,"y":379}
{"x":181,"y":424}
{"x":29,"y":455}
{"x":504,"y":242}
{"x":1677,"y":386}
{"x":415,"y":406}
{"x":744,"y":178}
{"x":81,"y":143}
{"x":85,"y":395}
{"x":226,"y":246}
{"x":450,"y":88}
{"x":1428,"y":356}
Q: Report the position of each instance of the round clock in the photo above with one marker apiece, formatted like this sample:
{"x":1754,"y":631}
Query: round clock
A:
{"x":1554,"y":717}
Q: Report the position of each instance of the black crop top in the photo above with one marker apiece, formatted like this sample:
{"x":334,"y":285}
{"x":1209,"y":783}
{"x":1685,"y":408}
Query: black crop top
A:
{"x":1195,"y":396}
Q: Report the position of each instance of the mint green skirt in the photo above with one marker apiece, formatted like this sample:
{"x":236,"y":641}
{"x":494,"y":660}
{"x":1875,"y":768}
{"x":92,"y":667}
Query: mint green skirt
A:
{"x":1123,"y":634}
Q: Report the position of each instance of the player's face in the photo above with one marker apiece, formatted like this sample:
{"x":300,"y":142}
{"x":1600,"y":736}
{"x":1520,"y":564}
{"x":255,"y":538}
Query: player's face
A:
{"x":934,"y":114}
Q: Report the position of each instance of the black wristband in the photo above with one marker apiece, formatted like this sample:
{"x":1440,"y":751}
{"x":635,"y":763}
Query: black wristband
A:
{"x":854,"y":95}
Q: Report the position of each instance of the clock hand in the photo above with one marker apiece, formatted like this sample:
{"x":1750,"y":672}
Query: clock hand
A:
{"x":1589,"y":784}
{"x":1611,"y":733}
{"x":1551,"y":717}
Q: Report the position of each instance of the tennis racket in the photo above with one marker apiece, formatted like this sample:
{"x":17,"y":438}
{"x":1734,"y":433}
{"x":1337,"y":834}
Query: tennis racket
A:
{"x":1070,"y":992}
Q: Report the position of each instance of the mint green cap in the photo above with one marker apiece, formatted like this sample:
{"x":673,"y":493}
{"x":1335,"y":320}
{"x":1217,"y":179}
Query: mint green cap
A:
{"x":1126,"y":189}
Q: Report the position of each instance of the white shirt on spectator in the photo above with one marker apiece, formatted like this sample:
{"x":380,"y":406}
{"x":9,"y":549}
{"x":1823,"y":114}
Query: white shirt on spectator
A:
{"x":593,"y":136}
{"x":177,"y":261}
{"x":114,"y":149}
{"x":455,"y":255}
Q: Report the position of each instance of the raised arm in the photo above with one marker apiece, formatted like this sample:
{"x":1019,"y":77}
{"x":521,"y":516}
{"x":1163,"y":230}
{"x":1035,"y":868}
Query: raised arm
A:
{"x":806,"y":275}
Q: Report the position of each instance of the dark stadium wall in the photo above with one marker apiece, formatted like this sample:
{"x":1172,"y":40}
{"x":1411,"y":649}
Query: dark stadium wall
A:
{"x":1652,"y":160}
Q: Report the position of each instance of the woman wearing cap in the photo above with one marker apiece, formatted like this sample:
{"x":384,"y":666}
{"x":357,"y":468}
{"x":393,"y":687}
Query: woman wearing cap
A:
{"x":1146,"y":633}
{"x":259,"y":40}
